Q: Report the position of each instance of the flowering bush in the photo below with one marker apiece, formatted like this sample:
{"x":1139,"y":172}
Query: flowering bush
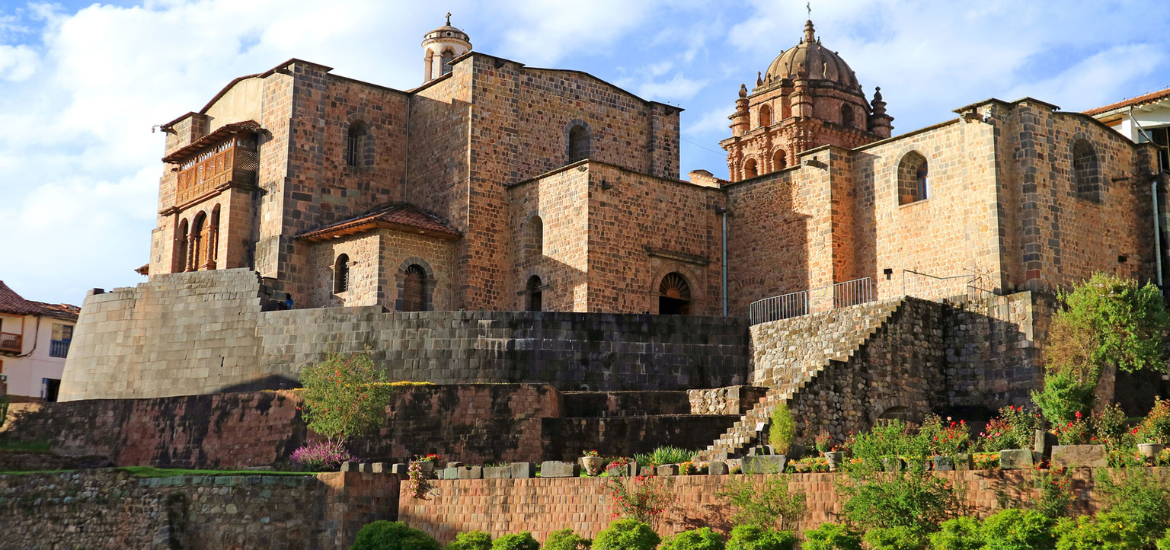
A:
{"x":809,"y":465}
{"x":418,"y":484}
{"x":1156,"y":426}
{"x":985,"y":461}
{"x":692,"y":468}
{"x":1014,"y":428}
{"x":824,"y":442}
{"x":1076,"y":432}
{"x":321,"y":457}
{"x":639,"y":498}
{"x":591,"y":454}
{"x":947,"y":438}
{"x":1109,"y":426}
{"x":428,"y":458}
{"x":344,"y":396}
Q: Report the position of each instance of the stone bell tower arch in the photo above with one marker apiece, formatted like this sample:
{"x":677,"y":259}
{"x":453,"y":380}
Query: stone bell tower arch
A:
{"x":440,"y":46}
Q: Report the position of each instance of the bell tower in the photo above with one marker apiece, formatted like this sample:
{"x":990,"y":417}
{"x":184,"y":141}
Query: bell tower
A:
{"x":440,"y":46}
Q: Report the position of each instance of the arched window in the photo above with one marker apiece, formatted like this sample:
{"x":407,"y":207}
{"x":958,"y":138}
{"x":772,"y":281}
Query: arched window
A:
{"x":674,"y":295}
{"x":179,"y":259}
{"x":213,"y":239}
{"x":429,"y":66}
{"x":579,"y":143}
{"x":448,"y":55}
{"x":765,"y":116}
{"x":355,"y":144}
{"x":341,"y":274}
{"x":414,"y":289}
{"x":198,"y":248}
{"x":913,"y":182}
{"x":779,"y":160}
{"x":534,"y":238}
{"x":1086,"y":172}
{"x":847,"y":115}
{"x":535,"y":292}
{"x":749,"y":169}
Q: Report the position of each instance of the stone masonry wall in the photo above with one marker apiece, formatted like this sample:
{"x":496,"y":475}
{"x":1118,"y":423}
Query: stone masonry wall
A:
{"x":107,"y":509}
{"x":544,"y":505}
{"x":203,"y":332}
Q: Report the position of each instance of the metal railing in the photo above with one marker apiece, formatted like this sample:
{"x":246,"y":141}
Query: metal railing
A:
{"x":813,"y":300}
{"x":930,"y":287}
{"x":58,"y":348}
{"x":11,"y":342}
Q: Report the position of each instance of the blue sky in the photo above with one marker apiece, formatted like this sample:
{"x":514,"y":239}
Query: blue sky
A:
{"x":81,"y":84}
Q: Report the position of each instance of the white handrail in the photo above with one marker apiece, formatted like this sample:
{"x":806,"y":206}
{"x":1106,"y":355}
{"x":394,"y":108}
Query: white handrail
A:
{"x":813,"y":300}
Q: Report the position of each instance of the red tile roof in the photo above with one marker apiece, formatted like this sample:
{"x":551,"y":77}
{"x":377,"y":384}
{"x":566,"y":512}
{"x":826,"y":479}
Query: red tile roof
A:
{"x":1132,"y":102}
{"x":401,"y":216}
{"x":210,"y":140}
{"x":12,"y":303}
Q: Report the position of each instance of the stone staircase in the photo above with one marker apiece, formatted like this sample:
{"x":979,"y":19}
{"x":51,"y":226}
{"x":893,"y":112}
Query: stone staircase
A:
{"x":790,"y":353}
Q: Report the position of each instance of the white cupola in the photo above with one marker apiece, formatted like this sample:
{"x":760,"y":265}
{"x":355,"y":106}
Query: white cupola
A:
{"x":440,"y":46}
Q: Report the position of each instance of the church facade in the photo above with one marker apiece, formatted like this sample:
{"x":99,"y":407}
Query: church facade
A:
{"x":496,"y":186}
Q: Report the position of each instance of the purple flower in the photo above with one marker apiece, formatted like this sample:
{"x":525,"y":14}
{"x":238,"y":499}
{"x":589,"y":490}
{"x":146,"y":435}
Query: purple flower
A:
{"x":322,"y":456}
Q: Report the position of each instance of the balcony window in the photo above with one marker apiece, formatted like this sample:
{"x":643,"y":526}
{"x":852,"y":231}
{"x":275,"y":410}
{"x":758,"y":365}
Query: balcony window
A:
{"x":232,"y":162}
{"x":59,"y":345}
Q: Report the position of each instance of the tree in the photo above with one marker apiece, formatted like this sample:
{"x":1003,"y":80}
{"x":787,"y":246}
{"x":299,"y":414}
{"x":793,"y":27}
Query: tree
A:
{"x":344,"y":397}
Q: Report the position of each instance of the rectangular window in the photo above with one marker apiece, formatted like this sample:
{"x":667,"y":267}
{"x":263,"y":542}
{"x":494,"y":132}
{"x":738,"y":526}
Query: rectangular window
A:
{"x":62,"y":336}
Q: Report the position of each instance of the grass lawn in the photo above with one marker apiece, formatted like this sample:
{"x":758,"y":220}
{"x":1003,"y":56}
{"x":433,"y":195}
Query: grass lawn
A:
{"x":39,"y":447}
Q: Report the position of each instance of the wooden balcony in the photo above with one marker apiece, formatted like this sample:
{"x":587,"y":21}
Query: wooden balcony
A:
{"x":11,"y":343}
{"x":233,"y":162}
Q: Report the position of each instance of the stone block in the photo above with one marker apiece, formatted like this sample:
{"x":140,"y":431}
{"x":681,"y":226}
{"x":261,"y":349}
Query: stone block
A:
{"x":497,"y":472}
{"x":555,"y":468}
{"x":1015,"y":459}
{"x":450,"y":473}
{"x":400,"y":470}
{"x":348,"y":467}
{"x":717,"y":468}
{"x":667,"y":470}
{"x":471,"y":472}
{"x":378,"y":467}
{"x":522,"y":470}
{"x":769,"y":464}
{"x":364,"y":468}
{"x":454,"y":464}
{"x":1080,"y":456}
{"x":1042,"y":442}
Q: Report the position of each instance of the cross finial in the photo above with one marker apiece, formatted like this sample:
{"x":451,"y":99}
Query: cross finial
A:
{"x":808,"y":6}
{"x":448,"y":19}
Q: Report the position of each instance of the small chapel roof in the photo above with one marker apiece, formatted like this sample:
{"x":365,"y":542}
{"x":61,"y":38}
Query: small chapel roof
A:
{"x":402,"y":216}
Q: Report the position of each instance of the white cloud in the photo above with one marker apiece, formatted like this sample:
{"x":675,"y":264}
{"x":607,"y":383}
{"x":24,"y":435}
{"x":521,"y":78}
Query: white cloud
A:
{"x":713,"y":122}
{"x":17,"y":63}
{"x":677,"y":88}
{"x":546,"y":31}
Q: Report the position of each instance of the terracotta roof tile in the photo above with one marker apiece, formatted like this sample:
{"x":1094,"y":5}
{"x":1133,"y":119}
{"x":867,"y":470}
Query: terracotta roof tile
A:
{"x":399,"y":216}
{"x":12,"y":303}
{"x":1132,"y":102}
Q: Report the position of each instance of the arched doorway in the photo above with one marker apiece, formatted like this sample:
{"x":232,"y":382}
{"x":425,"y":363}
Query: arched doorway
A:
{"x":674,"y":295}
{"x":414,"y":289}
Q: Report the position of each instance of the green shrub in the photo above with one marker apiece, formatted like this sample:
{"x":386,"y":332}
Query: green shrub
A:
{"x":1135,"y":494}
{"x":916,"y":500}
{"x":566,"y":539}
{"x":961,"y":533}
{"x":471,"y":540}
{"x":664,"y":455}
{"x":783,"y":429}
{"x":1108,"y":530}
{"x":1014,"y":529}
{"x":516,"y":541}
{"x":754,"y":537}
{"x":1108,"y":320}
{"x":830,"y":536}
{"x":1064,"y":395}
{"x":1164,"y":542}
{"x":894,"y":538}
{"x":695,"y":539}
{"x":761,"y":502}
{"x":387,"y":535}
{"x":3,"y":409}
{"x":626,"y":534}
{"x":344,"y":396}
{"x":889,"y":439}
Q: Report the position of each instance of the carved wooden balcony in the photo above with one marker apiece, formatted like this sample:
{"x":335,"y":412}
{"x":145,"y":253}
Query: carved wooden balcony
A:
{"x":11,"y":343}
{"x":225,"y":158}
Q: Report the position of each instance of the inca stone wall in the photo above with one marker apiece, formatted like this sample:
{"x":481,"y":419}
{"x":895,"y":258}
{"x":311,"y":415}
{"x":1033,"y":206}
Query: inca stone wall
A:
{"x":107,"y":509}
{"x":475,"y":424}
{"x":203,"y":332}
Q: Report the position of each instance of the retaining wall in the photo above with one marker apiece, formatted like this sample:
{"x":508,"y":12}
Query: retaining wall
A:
{"x":107,"y":509}
{"x":204,"y":332}
{"x":544,"y":505}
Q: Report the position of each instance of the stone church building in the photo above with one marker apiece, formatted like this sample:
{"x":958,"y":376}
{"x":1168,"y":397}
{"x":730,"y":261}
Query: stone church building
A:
{"x":496,"y":186}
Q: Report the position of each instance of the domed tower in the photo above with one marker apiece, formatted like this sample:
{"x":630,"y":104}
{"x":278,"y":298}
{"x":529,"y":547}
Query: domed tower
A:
{"x":807,"y":98}
{"x":440,"y":46}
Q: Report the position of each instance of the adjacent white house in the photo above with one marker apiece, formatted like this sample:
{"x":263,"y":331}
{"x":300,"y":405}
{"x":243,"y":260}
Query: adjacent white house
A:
{"x":34,"y":340}
{"x":1145,"y":118}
